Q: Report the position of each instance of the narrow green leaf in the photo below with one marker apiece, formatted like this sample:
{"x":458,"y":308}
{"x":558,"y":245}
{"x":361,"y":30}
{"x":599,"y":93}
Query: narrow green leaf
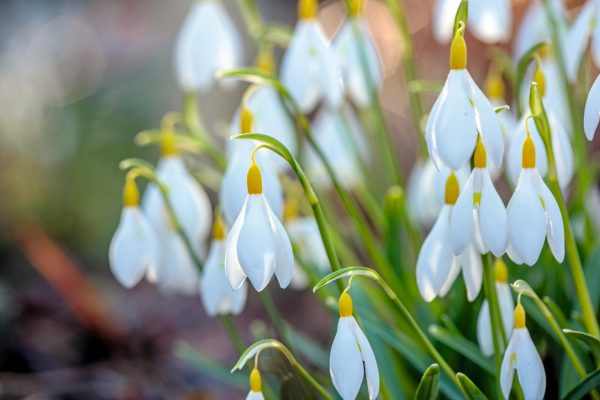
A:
{"x":591,"y":341}
{"x":257,"y":348}
{"x":256,"y":76}
{"x":429,"y":386}
{"x":270,"y":142}
{"x":462,"y":14}
{"x":471,"y":390}
{"x":346,"y":273}
{"x":585,"y":386}
{"x":522,"y":69}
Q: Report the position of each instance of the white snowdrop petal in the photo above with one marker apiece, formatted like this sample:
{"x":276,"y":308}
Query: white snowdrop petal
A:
{"x":345,"y":360}
{"x":493,"y":220}
{"x":256,"y":246}
{"x":233,"y":270}
{"x":211,"y":288}
{"x":371,"y":370}
{"x":177,"y":272}
{"x":576,"y":39}
{"x":595,"y":47}
{"x":284,"y":264}
{"x":454,"y":131}
{"x":526,"y":220}
{"x":512,"y":252}
{"x":515,"y":151}
{"x":237,"y":298}
{"x":461,"y":220}
{"x":591,"y":114}
{"x":472,"y":272}
{"x":507,"y":368}
{"x":255,"y":396}
{"x":490,"y":21}
{"x":555,"y":229}
{"x":484,"y":330}
{"x":563,"y":152}
{"x":433,"y":115}
{"x":530,"y":368}
{"x":443,"y":19}
{"x":435,"y":260}
{"x":507,"y":306}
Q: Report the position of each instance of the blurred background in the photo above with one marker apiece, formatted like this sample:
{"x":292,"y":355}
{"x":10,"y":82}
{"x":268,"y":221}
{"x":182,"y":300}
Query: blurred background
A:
{"x":78,"y":80}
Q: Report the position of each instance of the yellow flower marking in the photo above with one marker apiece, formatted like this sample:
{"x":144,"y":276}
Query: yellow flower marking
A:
{"x":501,"y":271}
{"x":307,"y":9}
{"x":519,"y":316}
{"x":254,"y":179}
{"x":452,"y":189}
{"x":131,"y":195}
{"x":528,"y":157}
{"x":218,"y":228}
{"x":255,"y":381}
{"x":345,"y":305}
{"x":167,"y":145}
{"x":494,"y":86}
{"x":356,"y":7}
{"x":458,"y":50}
{"x":246,"y":119}
{"x":480,"y":156}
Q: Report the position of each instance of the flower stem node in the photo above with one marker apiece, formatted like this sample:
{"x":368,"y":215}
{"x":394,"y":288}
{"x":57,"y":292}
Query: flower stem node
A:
{"x":131,"y":195}
{"x":528,"y":160}
{"x":254,"y":180}
{"x":265,"y":61}
{"x":479,"y":158}
{"x":307,"y":9}
{"x":345,"y":305}
{"x":356,"y":7}
{"x":519,"y":316}
{"x":246,"y":120}
{"x":167,"y":145}
{"x":452,"y":189}
{"x":458,"y":51}
{"x":218,"y":228}
{"x":255,"y":381}
{"x":500,"y":271}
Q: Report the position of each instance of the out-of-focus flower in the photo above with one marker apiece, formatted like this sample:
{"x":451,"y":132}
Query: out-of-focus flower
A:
{"x":577,"y":38}
{"x":217,"y":295}
{"x":258,"y":245}
{"x":134,"y":248}
{"x":533,"y":214}
{"x":349,"y":44}
{"x":339,"y":136}
{"x":591,"y":115}
{"x":522,"y":355}
{"x":506,"y":304}
{"x":437,"y":266}
{"x":495,"y":91}
{"x":535,"y":26}
{"x":309,"y":69}
{"x":255,"y":386}
{"x":459,"y":113}
{"x":207,"y":43}
{"x":232,"y":194}
{"x":479,"y":212}
{"x":351,"y":356}
{"x":489,"y":20}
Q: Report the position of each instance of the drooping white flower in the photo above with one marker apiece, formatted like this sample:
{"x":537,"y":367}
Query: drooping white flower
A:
{"x":425,"y":190}
{"x":258,"y":245}
{"x":342,"y":141}
{"x":489,"y":20}
{"x":217,"y":295}
{"x":591,"y":114}
{"x":233,"y":194}
{"x":479,"y":212}
{"x":522,"y":355}
{"x":533,"y":214}
{"x":309,"y":69}
{"x":176,"y":272}
{"x":255,"y":386}
{"x":347,"y":43}
{"x":458,"y":114}
{"x":506,"y":305}
{"x":351,"y":356}
{"x":207,"y":43}
{"x":134,"y":248}
{"x":437,"y":266}
{"x":535,"y":26}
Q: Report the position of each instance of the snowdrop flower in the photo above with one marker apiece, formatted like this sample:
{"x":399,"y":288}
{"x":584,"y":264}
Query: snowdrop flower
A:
{"x":342,"y":141}
{"x":425,"y":190}
{"x":232,"y":194}
{"x":255,"y":386}
{"x":347,"y":47}
{"x":591,"y":114}
{"x":437,"y":266}
{"x":578,"y":35}
{"x":506,"y":304}
{"x":351,"y":356}
{"x":535,"y":27}
{"x":207,"y":43}
{"x":479,"y":212}
{"x":134,"y":248}
{"x":217,"y":295}
{"x":258,"y":245}
{"x":309,"y":69}
{"x":522,"y":355}
{"x":533,"y":214}
{"x":459,"y":113}
{"x":495,"y":91}
{"x":490,"y":20}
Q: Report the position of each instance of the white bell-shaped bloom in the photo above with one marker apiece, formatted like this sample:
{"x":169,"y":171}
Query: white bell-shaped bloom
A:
{"x":189,"y":200}
{"x":506,"y":305}
{"x":351,"y":356}
{"x":425,"y":190}
{"x":258,"y":245}
{"x":522,"y":355}
{"x":176,"y":272}
{"x":255,"y":386}
{"x":437,"y":266}
{"x":489,"y":20}
{"x":208,"y":42}
{"x":217,"y":295}
{"x":347,"y":46}
{"x":134,"y":249}
{"x":591,"y":115}
{"x":535,"y":27}
{"x":458,"y":114}
{"x":479,"y":212}
{"x":342,"y":141}
{"x":533,"y":214}
{"x":309,"y":69}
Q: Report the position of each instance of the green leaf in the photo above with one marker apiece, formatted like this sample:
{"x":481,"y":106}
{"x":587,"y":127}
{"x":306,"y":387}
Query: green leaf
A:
{"x":463,"y":346}
{"x":259,"y":347}
{"x":429,"y":386}
{"x":462,"y":14}
{"x":592,"y":276}
{"x":256,"y":76}
{"x":498,"y":110}
{"x":471,"y":390}
{"x":346,"y":273}
{"x":522,"y":69}
{"x":591,"y":341}
{"x":585,"y":386}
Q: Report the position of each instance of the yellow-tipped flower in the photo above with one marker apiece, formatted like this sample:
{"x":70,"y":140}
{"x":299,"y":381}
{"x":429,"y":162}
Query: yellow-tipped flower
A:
{"x":458,"y":52}
{"x":254,"y":180}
